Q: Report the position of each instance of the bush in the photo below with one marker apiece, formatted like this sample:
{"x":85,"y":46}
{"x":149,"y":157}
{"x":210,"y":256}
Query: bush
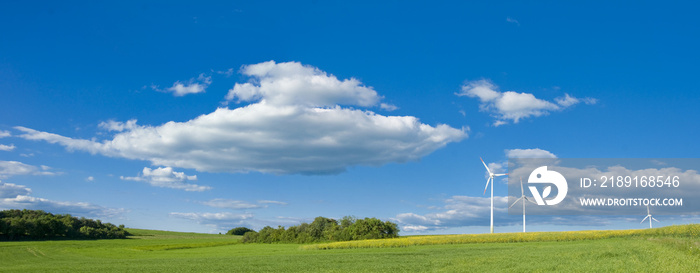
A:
{"x":238,"y":231}
{"x":325,"y":230}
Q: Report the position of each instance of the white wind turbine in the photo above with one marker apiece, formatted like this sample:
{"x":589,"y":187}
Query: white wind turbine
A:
{"x":650,"y":218}
{"x":490,"y":180}
{"x":523,"y":198}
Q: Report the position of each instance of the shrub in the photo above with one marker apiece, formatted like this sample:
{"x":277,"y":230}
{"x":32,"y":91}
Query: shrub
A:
{"x":325,"y":230}
{"x":238,"y":231}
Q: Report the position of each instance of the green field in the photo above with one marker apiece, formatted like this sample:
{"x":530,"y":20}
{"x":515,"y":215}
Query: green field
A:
{"x":670,"y":249}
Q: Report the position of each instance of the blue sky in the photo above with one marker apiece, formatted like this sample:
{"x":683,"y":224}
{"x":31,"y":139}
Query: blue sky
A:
{"x":206,"y":116}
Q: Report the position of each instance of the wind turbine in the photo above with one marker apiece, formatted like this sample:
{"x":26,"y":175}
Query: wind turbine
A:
{"x":490,"y":180}
{"x":524,"y":198}
{"x":650,"y":218}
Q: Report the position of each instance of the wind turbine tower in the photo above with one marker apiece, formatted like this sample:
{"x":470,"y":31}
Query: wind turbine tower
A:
{"x":490,"y":180}
{"x":523,"y":198}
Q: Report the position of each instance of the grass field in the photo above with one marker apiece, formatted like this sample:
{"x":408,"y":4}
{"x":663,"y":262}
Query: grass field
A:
{"x":670,"y":249}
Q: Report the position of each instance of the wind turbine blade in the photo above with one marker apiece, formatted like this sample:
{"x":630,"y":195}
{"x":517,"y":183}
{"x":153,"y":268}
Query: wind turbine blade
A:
{"x":487,"y":167}
{"x":487,"y":184}
{"x":500,"y":174}
{"x":522,"y":192}
{"x":516,"y":201}
{"x":528,"y":199}
{"x":652,"y":218}
{"x":645,"y":219}
{"x":648,"y":210}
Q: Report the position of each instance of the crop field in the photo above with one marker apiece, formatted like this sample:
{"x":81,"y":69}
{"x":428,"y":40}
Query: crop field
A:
{"x":668,"y":249}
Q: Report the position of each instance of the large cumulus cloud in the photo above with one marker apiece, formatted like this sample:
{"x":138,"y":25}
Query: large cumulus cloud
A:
{"x":298,"y":120}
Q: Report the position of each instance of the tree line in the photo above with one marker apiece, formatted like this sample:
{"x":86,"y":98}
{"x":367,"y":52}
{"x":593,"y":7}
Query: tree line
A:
{"x":323,"y":230}
{"x":38,"y":224}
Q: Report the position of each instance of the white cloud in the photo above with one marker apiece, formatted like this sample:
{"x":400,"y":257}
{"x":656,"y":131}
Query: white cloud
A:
{"x":292,"y":83}
{"x":511,"y":20}
{"x":70,"y":143}
{"x":465,"y":211}
{"x":388,"y":107}
{"x":90,"y":179}
{"x":219,"y":220}
{"x":513,"y":106}
{"x":414,"y":228}
{"x":231,"y":204}
{"x":7,"y":148}
{"x":9,"y":190}
{"x":529,"y":153}
{"x":165,"y":177}
{"x":272,"y":202}
{"x":294,"y":126}
{"x":11,"y":168}
{"x":228,"y":73}
{"x":193,"y":86}
{"x":589,"y":101}
{"x":567,"y":100}
{"x":458,"y":211}
{"x":497,"y":167}
{"x":17,"y":197}
{"x":4,"y":134}
{"x":238,"y":204}
{"x":112,"y":125}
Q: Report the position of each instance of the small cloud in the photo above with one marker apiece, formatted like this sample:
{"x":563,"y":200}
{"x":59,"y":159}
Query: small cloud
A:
{"x":4,"y":134}
{"x":590,"y":101}
{"x":511,"y":20}
{"x":566,"y":100}
{"x":238,"y":204}
{"x":90,"y":179}
{"x":219,"y":220}
{"x":12,"y":168}
{"x":416,"y":228}
{"x":499,"y":123}
{"x":117,"y":126}
{"x":272,"y":202}
{"x":227,"y":73}
{"x":388,"y":107}
{"x":497,"y":167}
{"x":231,"y":204}
{"x":165,"y":177}
{"x":7,"y":148}
{"x":458,"y":211}
{"x":14,"y":196}
{"x":514,"y":106}
{"x":193,"y":86}
{"x":9,"y":190}
{"x":658,"y":162}
{"x":529,"y":153}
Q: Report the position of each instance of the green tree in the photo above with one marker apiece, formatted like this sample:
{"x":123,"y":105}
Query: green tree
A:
{"x":319,"y":225}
